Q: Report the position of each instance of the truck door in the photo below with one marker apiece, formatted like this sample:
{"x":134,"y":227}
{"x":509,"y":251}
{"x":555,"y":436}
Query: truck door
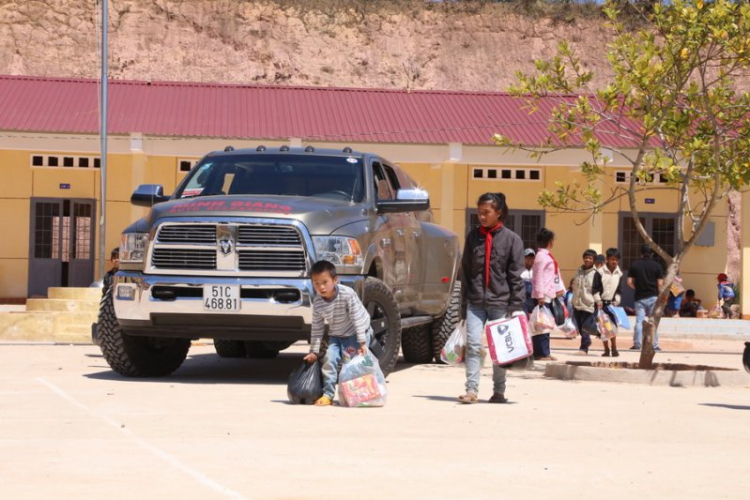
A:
{"x":406,"y":233}
{"x":388,"y":235}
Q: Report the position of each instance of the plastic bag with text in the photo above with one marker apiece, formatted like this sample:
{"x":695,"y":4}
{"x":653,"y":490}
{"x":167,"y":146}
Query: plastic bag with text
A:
{"x":362,"y":383}
{"x":454,"y":350}
{"x":508,"y":340}
{"x":305,"y":385}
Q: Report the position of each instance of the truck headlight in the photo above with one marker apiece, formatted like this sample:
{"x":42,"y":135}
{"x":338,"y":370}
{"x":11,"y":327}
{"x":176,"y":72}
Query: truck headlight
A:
{"x":341,"y":251}
{"x":133,"y":247}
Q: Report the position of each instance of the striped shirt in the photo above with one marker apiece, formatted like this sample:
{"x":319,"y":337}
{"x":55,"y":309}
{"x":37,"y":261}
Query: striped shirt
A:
{"x":344,"y":315}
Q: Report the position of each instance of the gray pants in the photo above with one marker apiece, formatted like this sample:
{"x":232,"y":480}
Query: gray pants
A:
{"x":475,"y":319}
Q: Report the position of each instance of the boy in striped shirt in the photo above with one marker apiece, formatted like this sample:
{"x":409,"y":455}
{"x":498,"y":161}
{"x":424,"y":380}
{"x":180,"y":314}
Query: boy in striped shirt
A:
{"x":348,"y":323}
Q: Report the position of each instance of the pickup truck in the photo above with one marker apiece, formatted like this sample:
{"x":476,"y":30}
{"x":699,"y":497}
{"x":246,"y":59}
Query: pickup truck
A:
{"x":227,"y":256}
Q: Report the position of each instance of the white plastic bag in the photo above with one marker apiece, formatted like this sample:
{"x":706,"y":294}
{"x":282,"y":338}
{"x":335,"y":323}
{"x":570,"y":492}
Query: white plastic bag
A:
{"x":362,"y":383}
{"x":716,"y":312}
{"x":542,"y":320}
{"x":454,"y":350}
{"x":569,"y":328}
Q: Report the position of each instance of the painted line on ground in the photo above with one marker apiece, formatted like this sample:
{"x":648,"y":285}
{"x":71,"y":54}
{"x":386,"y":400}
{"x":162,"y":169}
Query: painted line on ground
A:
{"x":198,"y":476}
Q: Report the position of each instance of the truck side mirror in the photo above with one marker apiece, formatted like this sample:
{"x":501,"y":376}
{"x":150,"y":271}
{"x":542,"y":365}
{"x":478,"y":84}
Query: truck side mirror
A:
{"x":148,"y":195}
{"x":407,"y":200}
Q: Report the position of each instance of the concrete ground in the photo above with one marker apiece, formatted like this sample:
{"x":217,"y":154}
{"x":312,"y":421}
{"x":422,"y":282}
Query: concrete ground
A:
{"x":71,"y":428}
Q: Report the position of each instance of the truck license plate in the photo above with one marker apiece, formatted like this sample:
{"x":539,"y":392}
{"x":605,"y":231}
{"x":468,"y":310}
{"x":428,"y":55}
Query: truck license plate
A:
{"x":221,"y":298}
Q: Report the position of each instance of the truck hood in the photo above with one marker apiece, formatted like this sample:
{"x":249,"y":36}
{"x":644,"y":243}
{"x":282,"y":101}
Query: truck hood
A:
{"x":321,"y":216}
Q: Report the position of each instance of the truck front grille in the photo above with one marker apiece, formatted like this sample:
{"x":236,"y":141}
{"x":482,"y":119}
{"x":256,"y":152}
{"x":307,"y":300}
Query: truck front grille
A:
{"x":269,"y":236}
{"x":251,"y":260}
{"x":172,"y":258}
{"x":188,"y":233}
{"x":238,"y":249}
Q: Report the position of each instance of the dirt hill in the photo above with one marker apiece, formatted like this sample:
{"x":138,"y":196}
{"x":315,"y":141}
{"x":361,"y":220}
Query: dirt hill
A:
{"x":350,"y":43}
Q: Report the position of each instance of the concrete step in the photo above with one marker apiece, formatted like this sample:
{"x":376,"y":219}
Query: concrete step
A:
{"x":71,"y":293}
{"x":68,"y":305}
{"x":687,"y":327}
{"x":41,"y":326}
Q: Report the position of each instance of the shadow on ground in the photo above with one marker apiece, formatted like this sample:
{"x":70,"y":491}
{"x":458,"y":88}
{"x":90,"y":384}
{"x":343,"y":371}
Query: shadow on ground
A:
{"x":450,"y":399}
{"x":729,"y":407}
{"x":209,"y":368}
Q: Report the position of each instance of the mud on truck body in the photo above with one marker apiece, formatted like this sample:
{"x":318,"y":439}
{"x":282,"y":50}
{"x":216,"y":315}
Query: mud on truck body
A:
{"x":228,"y":256}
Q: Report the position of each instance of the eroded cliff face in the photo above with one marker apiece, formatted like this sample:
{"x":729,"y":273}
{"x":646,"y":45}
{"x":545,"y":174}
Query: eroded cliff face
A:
{"x":350,"y":43}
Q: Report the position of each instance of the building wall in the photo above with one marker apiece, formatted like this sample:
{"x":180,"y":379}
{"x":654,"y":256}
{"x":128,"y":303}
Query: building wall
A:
{"x":444,"y":171}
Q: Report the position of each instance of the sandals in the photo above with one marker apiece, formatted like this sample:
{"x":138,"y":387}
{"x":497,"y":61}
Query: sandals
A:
{"x":324,"y":401}
{"x":468,"y":399}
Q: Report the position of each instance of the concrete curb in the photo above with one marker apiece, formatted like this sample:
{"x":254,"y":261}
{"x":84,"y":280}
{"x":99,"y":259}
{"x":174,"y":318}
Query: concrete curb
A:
{"x":672,"y":378}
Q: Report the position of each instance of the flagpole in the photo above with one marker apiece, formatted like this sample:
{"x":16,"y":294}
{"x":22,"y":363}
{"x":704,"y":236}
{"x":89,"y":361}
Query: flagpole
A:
{"x":103,"y":137}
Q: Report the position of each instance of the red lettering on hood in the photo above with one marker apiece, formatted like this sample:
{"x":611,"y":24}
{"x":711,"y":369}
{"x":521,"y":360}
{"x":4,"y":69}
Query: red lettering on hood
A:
{"x":234,"y":206}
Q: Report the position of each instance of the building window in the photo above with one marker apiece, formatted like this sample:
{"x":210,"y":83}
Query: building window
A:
{"x":514,"y":174}
{"x":623,"y":177}
{"x":525,"y":223}
{"x":38,"y":160}
{"x":185,"y":164}
{"x":661,"y":227}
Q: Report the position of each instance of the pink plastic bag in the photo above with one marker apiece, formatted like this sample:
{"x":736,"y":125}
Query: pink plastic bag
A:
{"x":508,"y":340}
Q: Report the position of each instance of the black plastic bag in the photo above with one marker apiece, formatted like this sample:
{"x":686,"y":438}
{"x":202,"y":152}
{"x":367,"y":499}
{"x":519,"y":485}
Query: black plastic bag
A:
{"x":305,"y":384}
{"x":559,"y":311}
{"x":590,"y":326}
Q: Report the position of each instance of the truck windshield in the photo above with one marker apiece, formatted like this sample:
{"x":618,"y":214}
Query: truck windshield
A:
{"x":332,"y":177}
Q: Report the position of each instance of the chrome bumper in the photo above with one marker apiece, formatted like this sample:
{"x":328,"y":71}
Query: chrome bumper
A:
{"x":144,"y":312}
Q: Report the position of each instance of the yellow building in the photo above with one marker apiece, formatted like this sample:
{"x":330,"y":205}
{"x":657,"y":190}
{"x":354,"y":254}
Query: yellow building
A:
{"x":49,"y":155}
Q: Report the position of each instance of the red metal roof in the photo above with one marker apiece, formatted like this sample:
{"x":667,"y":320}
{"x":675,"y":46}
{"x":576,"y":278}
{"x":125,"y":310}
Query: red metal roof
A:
{"x":64,"y":105}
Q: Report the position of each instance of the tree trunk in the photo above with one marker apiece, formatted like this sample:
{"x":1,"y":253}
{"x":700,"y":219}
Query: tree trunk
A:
{"x":651,"y":323}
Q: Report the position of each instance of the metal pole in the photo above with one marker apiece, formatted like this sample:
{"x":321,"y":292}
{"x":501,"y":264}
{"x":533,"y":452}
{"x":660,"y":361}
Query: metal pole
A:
{"x":103,"y":137}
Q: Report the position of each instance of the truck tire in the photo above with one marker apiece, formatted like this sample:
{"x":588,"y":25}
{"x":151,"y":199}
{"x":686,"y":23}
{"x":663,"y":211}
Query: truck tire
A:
{"x":385,"y":320}
{"x":134,"y":356}
{"x":229,"y":348}
{"x":443,"y":326}
{"x":258,"y":350}
{"x":415,"y":344}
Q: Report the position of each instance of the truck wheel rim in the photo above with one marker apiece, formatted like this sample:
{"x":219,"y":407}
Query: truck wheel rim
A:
{"x":379,"y":322}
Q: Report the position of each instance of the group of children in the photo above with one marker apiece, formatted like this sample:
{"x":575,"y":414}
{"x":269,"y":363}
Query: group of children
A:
{"x":595,"y":286}
{"x":498,"y":278}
